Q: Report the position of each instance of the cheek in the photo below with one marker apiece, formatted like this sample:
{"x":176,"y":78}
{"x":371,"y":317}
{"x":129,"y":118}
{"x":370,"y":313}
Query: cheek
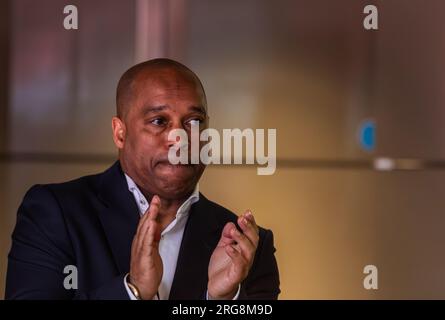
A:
{"x":144,"y":145}
{"x":138,"y":138}
{"x":134,"y":146}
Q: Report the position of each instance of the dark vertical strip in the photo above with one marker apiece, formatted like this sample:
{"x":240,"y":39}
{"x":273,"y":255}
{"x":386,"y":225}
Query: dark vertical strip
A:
{"x":5,"y":37}
{"x":74,"y":63}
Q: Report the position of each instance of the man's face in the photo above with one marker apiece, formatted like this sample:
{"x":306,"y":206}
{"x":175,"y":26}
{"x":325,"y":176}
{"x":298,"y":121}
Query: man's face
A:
{"x":163,"y":102}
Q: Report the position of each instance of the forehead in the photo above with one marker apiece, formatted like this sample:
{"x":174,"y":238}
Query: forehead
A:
{"x":162,"y":84}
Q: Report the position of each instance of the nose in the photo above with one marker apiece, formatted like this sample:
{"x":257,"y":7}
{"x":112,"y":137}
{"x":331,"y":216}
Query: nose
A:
{"x":179,"y":132}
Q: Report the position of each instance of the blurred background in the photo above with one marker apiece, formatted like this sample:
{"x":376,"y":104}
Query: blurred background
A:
{"x":359,"y":117}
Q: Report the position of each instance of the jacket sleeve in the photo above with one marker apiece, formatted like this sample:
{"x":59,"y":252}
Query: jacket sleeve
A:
{"x":263,"y":281}
{"x":41,"y":249}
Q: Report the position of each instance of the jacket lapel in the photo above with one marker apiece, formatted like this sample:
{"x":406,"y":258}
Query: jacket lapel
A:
{"x":201,"y":234}
{"x":119,"y":215}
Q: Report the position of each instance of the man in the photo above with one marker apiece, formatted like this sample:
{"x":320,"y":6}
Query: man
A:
{"x":141,"y":229}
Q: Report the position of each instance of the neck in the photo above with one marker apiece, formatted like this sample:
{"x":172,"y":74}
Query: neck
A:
{"x":169,"y":209}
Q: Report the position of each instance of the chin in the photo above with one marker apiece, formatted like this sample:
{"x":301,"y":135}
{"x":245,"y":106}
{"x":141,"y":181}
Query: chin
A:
{"x":175,"y":191}
{"x":176,"y":182}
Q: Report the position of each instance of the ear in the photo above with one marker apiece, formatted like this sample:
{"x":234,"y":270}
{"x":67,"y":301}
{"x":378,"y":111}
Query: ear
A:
{"x":119,"y":132}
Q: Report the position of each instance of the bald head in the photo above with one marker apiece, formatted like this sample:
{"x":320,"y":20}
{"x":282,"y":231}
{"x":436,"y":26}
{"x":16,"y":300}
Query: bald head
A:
{"x":154,"y":98}
{"x":154,"y":70}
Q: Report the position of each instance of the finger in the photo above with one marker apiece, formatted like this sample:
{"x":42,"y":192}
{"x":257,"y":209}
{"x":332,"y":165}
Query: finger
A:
{"x":151,"y":237}
{"x":227,"y":231}
{"x":150,"y":214}
{"x":246,"y":247}
{"x":226,"y":235}
{"x":236,"y":257}
{"x":155,"y":206}
{"x":249,"y":227}
{"x":143,"y":219}
{"x":133,"y":246}
{"x":139,"y":234}
{"x":140,"y":224}
{"x":251,"y":218}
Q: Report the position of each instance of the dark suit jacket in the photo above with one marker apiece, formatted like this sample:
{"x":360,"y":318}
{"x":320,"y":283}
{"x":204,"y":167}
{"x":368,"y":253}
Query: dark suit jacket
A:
{"x":90,"y":223}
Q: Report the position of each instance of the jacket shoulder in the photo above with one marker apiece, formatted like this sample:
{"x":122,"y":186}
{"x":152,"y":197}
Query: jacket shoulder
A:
{"x":88,"y":182}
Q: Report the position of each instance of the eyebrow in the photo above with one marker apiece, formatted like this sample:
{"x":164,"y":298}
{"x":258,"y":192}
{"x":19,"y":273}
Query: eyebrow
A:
{"x":155,"y":109}
{"x":199,"y":109}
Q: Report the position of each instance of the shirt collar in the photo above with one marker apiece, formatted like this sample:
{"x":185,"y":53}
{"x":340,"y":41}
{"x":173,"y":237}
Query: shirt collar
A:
{"x":143,"y":204}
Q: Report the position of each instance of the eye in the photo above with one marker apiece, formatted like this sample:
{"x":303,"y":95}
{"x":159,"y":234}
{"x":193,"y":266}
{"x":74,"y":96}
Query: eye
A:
{"x":195,"y":122}
{"x":158,"y":121}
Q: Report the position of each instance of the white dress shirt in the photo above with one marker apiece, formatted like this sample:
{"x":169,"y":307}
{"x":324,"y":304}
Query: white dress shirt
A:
{"x":171,"y":238}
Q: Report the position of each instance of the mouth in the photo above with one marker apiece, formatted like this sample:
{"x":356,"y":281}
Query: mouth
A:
{"x":165,"y":165}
